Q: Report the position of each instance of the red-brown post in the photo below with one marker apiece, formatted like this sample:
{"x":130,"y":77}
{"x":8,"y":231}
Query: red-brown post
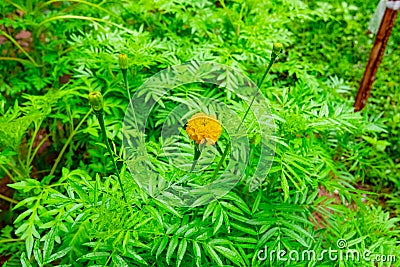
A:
{"x":375,"y":57}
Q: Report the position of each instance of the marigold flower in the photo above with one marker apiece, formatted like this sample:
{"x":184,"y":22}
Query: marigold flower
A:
{"x":203,"y":129}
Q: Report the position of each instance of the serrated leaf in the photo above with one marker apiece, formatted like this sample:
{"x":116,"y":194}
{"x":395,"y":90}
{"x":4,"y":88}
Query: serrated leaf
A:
{"x":285,"y":187}
{"x":299,"y":229}
{"x":232,"y":255}
{"x":197,"y":253}
{"x":218,"y":223}
{"x":29,"y":245}
{"x":24,"y":261}
{"x":119,"y":261}
{"x":244,"y":229}
{"x":181,"y":251}
{"x":257,"y":201}
{"x":22,"y":216}
{"x":97,"y":255}
{"x":210,"y":208}
{"x":162,"y":246}
{"x":266,"y":236}
{"x":59,"y":254}
{"x":168,"y":208}
{"x":48,"y":244}
{"x":214,"y":255}
{"x":171,"y":248}
{"x":37,"y":253}
{"x":294,"y":236}
{"x":133,"y":255}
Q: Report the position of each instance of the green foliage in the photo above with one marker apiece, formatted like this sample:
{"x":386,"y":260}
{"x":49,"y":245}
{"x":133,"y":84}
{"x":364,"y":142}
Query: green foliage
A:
{"x":335,"y":174}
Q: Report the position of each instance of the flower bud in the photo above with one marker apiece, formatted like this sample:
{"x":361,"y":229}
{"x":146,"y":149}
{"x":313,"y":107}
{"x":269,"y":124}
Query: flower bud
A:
{"x":277,"y":48}
{"x":96,"y":100}
{"x":123,"y":61}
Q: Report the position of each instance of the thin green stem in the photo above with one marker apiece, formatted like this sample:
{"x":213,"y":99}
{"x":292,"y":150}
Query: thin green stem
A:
{"x":20,"y":60}
{"x":99,"y":115}
{"x":73,"y":133}
{"x":6,"y":198}
{"x":38,"y":146}
{"x":15,"y":169}
{"x":81,"y":2}
{"x":196,"y":157}
{"x":247,"y":111}
{"x":240,"y":19}
{"x":20,"y":47}
{"x":63,"y":17}
{"x":228,"y":14}
{"x":125,"y":76}
{"x":17,"y":6}
{"x":273,"y":58}
{"x":37,"y":128}
{"x":11,"y":240}
{"x":227,"y":148}
{"x":7,"y":172}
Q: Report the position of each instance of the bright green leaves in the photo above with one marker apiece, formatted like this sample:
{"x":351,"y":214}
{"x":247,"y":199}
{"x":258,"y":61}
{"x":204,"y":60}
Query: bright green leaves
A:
{"x":285,"y":186}
{"x":220,"y":249}
{"x":203,"y":240}
{"x":217,"y":218}
{"x":103,"y":253}
{"x":43,"y":253}
{"x":230,"y":254}
{"x":182,"y":250}
{"x":197,"y":253}
{"x":322,"y":145}
{"x":171,"y":248}
{"x":161,"y":245}
{"x":229,"y":233}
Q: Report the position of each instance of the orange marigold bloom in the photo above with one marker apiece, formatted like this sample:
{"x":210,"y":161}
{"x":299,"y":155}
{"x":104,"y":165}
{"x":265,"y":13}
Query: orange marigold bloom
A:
{"x":202,"y":128}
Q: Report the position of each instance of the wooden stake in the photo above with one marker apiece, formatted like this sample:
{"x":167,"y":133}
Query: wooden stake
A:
{"x":375,"y":58}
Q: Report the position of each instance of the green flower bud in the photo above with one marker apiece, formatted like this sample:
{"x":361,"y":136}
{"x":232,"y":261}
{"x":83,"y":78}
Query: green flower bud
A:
{"x":123,"y":61}
{"x":96,"y":100}
{"x":277,"y":48}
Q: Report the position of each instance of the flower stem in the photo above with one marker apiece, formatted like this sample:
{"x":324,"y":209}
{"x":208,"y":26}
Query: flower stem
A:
{"x":99,"y":115}
{"x":226,"y":152}
{"x":274,"y":56}
{"x":271,"y":62}
{"x":196,"y":157}
{"x":71,"y":135}
{"x":6,"y":198}
{"x":125,"y":76}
